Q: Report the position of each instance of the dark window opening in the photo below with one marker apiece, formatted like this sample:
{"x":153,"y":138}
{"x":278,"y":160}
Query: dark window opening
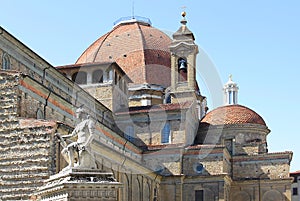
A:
{"x":295,"y":191}
{"x":80,"y":77}
{"x":97,"y":76}
{"x":199,"y":195}
{"x":116,"y":78}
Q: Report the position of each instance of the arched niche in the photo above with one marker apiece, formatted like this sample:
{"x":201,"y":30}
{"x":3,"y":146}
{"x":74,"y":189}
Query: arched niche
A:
{"x":146,"y":191}
{"x":136,"y":188}
{"x":125,"y":189}
{"x":241,"y":196}
{"x":272,"y":195}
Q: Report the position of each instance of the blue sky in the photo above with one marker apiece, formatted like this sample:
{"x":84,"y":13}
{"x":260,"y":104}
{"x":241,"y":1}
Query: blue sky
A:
{"x":256,"y":41}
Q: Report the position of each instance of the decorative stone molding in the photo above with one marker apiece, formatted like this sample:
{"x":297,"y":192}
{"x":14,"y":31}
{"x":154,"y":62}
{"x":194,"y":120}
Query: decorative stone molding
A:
{"x":79,"y":184}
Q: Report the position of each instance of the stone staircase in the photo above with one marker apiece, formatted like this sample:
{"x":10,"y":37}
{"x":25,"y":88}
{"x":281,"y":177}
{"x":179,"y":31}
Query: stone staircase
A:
{"x":27,"y":151}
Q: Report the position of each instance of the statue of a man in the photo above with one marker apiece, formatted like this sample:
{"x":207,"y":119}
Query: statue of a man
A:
{"x":78,"y":154}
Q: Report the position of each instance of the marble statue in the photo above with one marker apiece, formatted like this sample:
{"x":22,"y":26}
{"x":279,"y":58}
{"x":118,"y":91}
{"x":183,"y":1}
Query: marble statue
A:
{"x":78,"y":153}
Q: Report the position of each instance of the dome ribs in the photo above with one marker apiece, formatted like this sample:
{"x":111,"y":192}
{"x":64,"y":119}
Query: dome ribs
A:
{"x":105,"y":37}
{"x":143,"y":52}
{"x":140,"y":50}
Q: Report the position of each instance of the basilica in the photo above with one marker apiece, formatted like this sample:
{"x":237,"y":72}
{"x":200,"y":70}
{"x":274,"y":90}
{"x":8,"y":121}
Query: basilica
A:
{"x":154,"y":138}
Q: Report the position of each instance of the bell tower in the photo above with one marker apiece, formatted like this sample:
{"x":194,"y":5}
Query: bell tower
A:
{"x":184,"y":85}
{"x":183,"y":63}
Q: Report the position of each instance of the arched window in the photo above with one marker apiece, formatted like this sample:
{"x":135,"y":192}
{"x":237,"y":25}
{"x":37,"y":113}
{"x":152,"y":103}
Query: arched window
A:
{"x":108,"y":75}
{"x":79,"y":77}
{"x":129,"y":133}
{"x":97,"y":76}
{"x":168,"y":98}
{"x":166,"y":133}
{"x":5,"y":62}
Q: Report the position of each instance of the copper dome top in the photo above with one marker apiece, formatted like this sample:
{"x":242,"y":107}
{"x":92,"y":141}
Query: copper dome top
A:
{"x":139,"y":49}
{"x":232,"y":114}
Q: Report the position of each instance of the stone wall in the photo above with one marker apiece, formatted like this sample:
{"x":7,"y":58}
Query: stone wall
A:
{"x":9,"y":100}
{"x":261,"y":189}
{"x":27,"y":151}
{"x":204,"y":160}
{"x":103,"y":94}
{"x":241,"y":133}
{"x":213,"y":189}
{"x":149,"y":122}
{"x":164,"y":160}
{"x":250,"y":148}
{"x":272,"y":166}
{"x":183,"y":188}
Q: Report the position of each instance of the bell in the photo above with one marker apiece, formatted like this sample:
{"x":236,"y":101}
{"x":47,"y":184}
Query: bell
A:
{"x":182,"y":65}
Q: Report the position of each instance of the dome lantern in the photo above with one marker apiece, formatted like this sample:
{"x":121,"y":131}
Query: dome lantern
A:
{"x":231,"y":92}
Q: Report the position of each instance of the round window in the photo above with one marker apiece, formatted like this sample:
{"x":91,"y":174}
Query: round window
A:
{"x":198,"y":167}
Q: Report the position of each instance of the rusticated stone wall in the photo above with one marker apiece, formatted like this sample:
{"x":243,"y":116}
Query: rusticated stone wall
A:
{"x":27,"y":156}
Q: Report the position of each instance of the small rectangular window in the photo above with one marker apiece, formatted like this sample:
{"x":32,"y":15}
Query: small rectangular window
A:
{"x":199,"y":195}
{"x":295,"y":191}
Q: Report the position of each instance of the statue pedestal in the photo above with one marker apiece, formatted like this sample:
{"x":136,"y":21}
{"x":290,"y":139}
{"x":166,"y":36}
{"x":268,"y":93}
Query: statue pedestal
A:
{"x":80,"y":184}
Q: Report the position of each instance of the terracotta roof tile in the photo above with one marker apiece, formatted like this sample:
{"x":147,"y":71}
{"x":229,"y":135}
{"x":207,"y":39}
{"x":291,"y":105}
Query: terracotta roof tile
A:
{"x":232,"y":114}
{"x":295,"y":173}
{"x":139,"y":49}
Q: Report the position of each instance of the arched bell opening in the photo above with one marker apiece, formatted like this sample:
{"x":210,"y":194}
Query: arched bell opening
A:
{"x":182,"y":69}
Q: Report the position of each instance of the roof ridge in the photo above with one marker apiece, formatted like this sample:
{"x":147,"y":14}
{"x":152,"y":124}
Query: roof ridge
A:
{"x":143,"y":45}
{"x":98,"y":49}
{"x":86,"y":50}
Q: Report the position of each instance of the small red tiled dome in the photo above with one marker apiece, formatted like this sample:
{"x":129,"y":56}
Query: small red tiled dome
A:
{"x":141,"y":50}
{"x":232,"y":114}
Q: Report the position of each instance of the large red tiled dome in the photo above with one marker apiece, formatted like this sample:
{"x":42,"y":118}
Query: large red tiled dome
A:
{"x":139,"y":49}
{"x":232,"y":114}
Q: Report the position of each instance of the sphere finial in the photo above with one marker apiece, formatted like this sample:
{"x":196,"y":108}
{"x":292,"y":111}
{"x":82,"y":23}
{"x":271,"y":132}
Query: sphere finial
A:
{"x":183,"y":14}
